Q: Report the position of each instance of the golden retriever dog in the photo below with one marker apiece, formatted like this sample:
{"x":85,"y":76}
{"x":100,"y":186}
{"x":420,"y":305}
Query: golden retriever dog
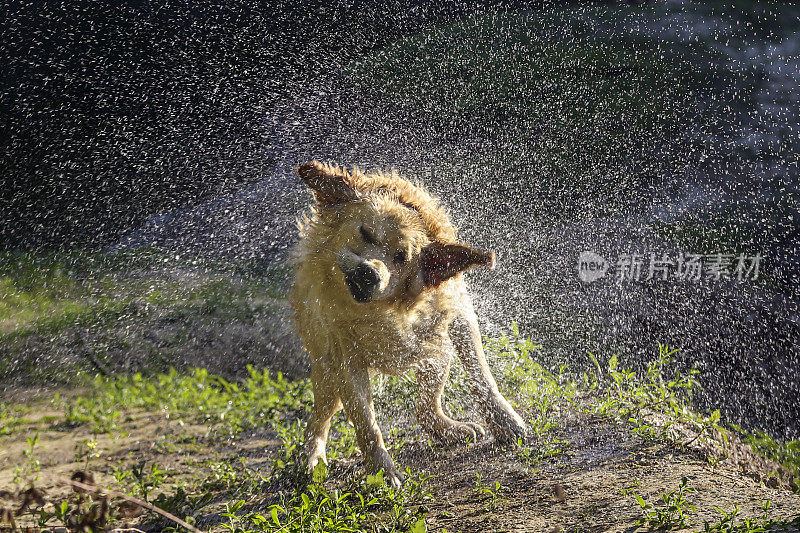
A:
{"x":379,"y":288}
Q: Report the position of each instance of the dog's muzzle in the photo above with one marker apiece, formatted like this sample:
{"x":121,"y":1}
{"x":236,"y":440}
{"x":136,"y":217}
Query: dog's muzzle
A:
{"x":362,"y":282}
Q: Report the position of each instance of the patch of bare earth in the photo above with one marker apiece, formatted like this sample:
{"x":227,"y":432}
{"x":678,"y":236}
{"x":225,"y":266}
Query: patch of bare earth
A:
{"x":579,"y":489}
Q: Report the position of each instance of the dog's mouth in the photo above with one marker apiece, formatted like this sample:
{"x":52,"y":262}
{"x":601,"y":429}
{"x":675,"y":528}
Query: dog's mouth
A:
{"x":362,"y":282}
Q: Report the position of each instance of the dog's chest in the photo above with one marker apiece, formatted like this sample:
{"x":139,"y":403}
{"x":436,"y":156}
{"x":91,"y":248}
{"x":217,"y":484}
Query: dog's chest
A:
{"x":394,"y":346}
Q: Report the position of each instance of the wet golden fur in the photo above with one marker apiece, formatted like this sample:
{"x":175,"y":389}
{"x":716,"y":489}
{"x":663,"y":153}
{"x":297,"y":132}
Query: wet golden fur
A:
{"x":378,"y":287}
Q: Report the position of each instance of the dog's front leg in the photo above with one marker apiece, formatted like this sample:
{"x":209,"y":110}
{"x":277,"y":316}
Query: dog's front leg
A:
{"x":503,"y":421}
{"x":326,"y":403}
{"x":357,"y":399}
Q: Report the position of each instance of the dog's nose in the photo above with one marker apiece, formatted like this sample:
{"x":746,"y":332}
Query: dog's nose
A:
{"x":363,"y":281}
{"x":367,"y":274}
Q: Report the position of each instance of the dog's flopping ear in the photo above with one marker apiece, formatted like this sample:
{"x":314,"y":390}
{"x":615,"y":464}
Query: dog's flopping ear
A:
{"x":330,"y":185}
{"x":440,"y":262}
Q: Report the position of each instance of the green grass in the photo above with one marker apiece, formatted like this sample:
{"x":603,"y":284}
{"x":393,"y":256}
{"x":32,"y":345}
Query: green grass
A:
{"x":673,"y":509}
{"x":368,"y":505}
{"x":226,"y":407}
{"x":42,"y":291}
{"x":652,"y":403}
{"x":787,"y":453}
{"x":98,"y":308}
{"x":530,"y":385}
{"x":10,"y":418}
{"x":51,"y":291}
{"x":259,"y":401}
{"x":627,"y":396}
{"x":541,"y":394}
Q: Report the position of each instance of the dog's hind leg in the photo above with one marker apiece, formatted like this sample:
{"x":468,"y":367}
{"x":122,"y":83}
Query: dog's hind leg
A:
{"x":431,"y":377}
{"x":326,"y":404}
{"x":357,"y":400}
{"x":503,"y":421}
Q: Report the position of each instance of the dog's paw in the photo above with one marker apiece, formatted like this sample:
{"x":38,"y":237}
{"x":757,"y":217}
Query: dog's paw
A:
{"x":458,"y":432}
{"x":315,"y":456}
{"x":505,"y":424}
{"x":379,"y":460}
{"x":447,"y":430}
{"x":510,"y":432}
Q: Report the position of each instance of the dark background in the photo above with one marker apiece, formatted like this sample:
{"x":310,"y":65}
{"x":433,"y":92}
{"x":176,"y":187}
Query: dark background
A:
{"x":114,"y":111}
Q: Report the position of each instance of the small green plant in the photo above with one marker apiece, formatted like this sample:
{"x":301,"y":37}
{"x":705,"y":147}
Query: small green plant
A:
{"x":528,"y":383}
{"x":10,"y":419}
{"x":673,"y":514}
{"x":229,"y":476}
{"x":62,"y":513}
{"x":788,"y":453}
{"x":145,"y":481}
{"x":704,"y":424}
{"x":222,"y":475}
{"x":369,"y":505}
{"x":491,"y":491}
{"x":731,"y":523}
{"x":547,"y":448}
{"x":28,"y":471}
{"x":121,"y":475}
{"x":624,"y":395}
{"x":182,"y":505}
{"x":81,"y":515}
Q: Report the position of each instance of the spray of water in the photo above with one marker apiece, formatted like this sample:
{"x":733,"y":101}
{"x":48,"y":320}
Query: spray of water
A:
{"x":665,"y":128}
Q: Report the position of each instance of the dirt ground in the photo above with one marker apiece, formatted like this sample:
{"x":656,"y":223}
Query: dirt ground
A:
{"x":579,"y":489}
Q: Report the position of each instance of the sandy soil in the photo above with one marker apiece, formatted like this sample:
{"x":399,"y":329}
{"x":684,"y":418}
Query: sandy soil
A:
{"x":578,"y":490}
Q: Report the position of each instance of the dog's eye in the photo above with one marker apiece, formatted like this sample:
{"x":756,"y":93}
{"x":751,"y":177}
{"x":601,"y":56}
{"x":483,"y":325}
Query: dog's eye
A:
{"x":400,"y":258}
{"x":367,"y":236}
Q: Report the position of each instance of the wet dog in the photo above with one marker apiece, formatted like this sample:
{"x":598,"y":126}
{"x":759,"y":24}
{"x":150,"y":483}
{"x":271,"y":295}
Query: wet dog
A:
{"x":379,"y":288}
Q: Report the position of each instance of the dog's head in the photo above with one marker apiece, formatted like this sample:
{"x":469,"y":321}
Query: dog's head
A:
{"x":387,"y":238}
